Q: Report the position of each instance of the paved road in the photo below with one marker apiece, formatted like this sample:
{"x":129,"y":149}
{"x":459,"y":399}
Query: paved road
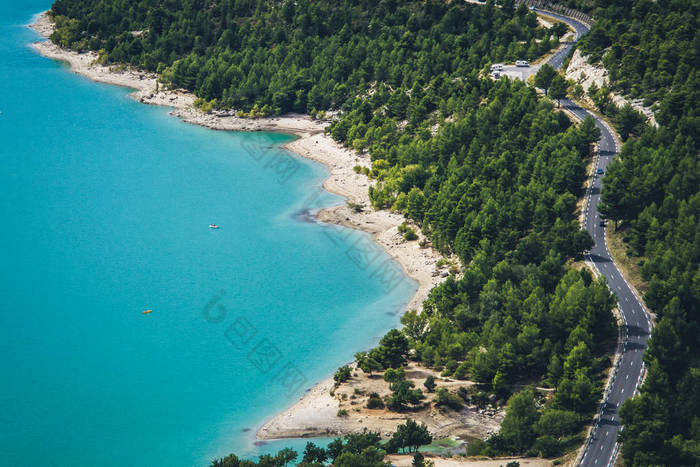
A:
{"x":555,"y":60}
{"x":601,"y":446}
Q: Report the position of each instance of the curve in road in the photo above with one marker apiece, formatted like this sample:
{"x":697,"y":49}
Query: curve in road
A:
{"x":601,"y":445}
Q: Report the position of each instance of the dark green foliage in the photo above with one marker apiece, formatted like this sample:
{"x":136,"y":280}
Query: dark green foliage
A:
{"x":651,"y":50}
{"x":547,"y":446}
{"x":409,"y":437}
{"x":444,"y":398}
{"x":304,"y":55}
{"x":497,"y":186}
{"x":229,"y":461}
{"x":392,"y":349}
{"x":369,"y":457}
{"x":367,"y":364}
{"x":314,"y":454}
{"x":545,"y":76}
{"x":408,"y":232}
{"x":414,"y":324}
{"x":430,"y":383}
{"x":392,"y":375}
{"x":647,"y":46}
{"x":418,"y":460}
{"x":342,"y":374}
{"x":517,"y":431}
{"x":375,"y":402}
{"x":352,"y":444}
{"x":557,"y":88}
{"x":404,"y":396}
{"x":557,"y":423}
{"x":282,"y":459}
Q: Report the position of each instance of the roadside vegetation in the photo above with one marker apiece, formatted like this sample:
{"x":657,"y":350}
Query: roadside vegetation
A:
{"x":651,"y":192}
{"x":303,"y":56}
{"x":625,"y":258}
{"x":488,"y":171}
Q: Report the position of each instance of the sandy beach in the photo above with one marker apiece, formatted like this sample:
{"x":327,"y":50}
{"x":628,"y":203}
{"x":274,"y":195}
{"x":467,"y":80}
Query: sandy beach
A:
{"x":315,"y":413}
{"x":312,"y":143}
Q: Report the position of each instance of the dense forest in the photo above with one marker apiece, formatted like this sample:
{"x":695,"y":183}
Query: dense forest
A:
{"x":498,"y":187}
{"x":488,"y":170}
{"x":652,"y":49}
{"x":303,"y":56}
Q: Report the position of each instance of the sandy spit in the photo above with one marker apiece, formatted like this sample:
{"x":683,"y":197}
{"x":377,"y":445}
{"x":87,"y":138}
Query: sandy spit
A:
{"x":316,"y":415}
{"x":316,"y":409}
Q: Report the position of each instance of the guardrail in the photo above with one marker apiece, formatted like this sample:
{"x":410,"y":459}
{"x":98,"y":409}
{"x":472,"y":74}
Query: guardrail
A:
{"x":560,"y":9}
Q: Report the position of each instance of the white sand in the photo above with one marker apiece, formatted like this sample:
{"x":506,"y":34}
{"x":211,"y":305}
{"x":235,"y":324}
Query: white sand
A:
{"x":316,"y":413}
{"x":418,"y":263}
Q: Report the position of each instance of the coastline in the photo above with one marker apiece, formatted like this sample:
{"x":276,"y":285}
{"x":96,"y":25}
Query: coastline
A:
{"x":315,"y":413}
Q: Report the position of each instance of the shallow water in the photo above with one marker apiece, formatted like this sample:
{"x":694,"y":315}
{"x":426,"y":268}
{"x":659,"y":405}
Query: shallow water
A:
{"x":105,"y":206}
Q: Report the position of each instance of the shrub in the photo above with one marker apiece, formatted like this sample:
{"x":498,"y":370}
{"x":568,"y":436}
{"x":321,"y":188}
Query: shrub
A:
{"x":408,"y":232}
{"x":547,"y":446}
{"x":342,"y":413}
{"x":375,"y":402}
{"x":342,"y":375}
{"x":442,"y":262}
{"x":476,"y":447}
{"x":430,"y":383}
{"x":393,"y":375}
{"x":464,"y":394}
{"x":410,"y":235}
{"x":461,"y":371}
{"x":444,"y":398}
{"x":357,"y":207}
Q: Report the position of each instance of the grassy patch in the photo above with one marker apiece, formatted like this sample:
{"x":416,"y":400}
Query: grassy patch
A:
{"x":444,"y":447}
{"x":629,"y":265}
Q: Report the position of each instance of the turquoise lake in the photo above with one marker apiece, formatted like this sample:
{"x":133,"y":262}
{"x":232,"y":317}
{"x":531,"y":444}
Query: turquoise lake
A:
{"x":105,"y":206}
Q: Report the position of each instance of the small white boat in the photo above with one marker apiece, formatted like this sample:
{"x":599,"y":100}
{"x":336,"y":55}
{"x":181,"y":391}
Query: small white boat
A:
{"x":213,"y":226}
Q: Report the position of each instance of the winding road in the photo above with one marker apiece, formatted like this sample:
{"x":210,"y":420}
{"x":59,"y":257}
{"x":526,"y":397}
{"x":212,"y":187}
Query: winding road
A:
{"x":601,"y":445}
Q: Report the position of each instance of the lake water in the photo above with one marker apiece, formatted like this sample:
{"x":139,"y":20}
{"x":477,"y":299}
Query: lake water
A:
{"x":105,"y":206}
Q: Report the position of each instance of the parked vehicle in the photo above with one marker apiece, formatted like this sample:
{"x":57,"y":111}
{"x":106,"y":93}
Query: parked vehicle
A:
{"x":522,"y":63}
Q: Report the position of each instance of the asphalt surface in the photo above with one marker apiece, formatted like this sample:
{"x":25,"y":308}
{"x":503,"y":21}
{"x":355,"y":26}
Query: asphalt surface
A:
{"x":601,"y":446}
